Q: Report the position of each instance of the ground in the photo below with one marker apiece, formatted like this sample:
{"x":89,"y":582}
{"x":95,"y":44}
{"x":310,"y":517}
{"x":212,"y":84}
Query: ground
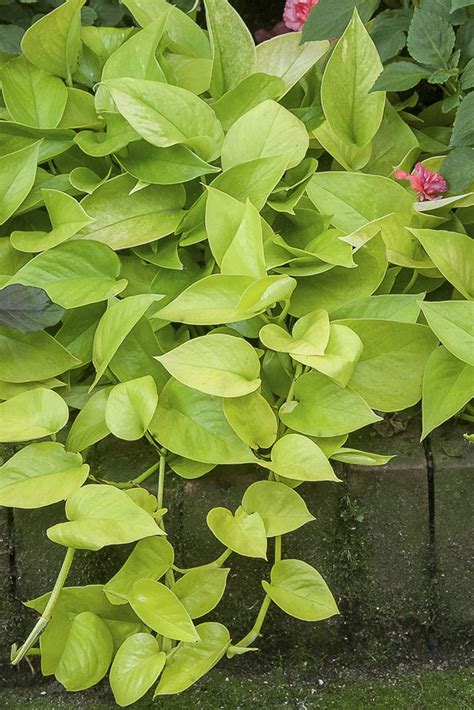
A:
{"x":446,"y":689}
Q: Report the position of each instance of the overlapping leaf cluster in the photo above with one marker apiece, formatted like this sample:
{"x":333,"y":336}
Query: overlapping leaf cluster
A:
{"x":428,"y":45}
{"x":189,"y":255}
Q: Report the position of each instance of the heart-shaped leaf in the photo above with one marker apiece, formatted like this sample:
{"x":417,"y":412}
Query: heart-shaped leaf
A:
{"x":158,"y":607}
{"x":300,"y":591}
{"x":32,"y":415}
{"x":136,"y":667}
{"x":150,"y":559}
{"x":242,"y":533}
{"x":102,"y":515}
{"x":193,"y":660}
{"x":39,"y":475}
{"x":281,"y":508}
{"x":220,"y":365}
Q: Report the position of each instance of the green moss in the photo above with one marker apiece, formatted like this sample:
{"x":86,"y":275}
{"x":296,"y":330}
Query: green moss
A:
{"x":444,"y":689}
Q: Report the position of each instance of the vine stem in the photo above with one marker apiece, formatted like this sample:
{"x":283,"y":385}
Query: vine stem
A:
{"x":217,"y":563}
{"x":254,"y":632}
{"x":134,"y":482}
{"x":161,"y":480}
{"x":45,"y":617}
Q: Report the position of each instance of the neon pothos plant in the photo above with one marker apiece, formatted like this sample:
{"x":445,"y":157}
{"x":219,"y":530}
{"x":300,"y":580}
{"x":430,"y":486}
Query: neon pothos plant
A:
{"x":204,"y":247}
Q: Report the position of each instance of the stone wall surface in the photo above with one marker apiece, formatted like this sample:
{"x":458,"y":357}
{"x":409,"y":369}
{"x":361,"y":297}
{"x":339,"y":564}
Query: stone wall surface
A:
{"x":394,"y":544}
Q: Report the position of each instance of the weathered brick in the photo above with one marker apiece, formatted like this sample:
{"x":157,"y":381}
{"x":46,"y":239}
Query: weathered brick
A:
{"x":391,"y":582}
{"x":453,"y":480}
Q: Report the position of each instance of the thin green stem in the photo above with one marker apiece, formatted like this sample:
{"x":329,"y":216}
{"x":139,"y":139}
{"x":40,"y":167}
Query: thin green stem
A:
{"x":291,"y":391}
{"x":411,"y":282}
{"x":48,"y":611}
{"x":216,"y":563}
{"x":278,"y":549}
{"x":134,"y":482}
{"x":254,"y":632}
{"x":161,"y":480}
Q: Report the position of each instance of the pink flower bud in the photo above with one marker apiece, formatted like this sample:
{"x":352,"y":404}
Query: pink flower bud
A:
{"x":426,"y":183}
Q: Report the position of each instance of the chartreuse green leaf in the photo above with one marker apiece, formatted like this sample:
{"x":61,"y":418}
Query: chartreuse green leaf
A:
{"x":448,"y":385}
{"x":287,"y":58}
{"x":130,"y":408}
{"x":89,"y":426}
{"x":310,"y":335}
{"x":242,"y":533}
{"x":32,"y":96}
{"x":349,"y":155}
{"x":190,"y":469}
{"x":253,"y":180}
{"x":300,"y":591}
{"x":323,"y":408}
{"x":252,"y":419}
{"x":136,"y":666}
{"x":360,"y":458}
{"x":201,"y":590}
{"x":150,"y":559}
{"x":221,"y":298}
{"x":249,"y":93}
{"x":192,"y":424}
{"x":353,"y":113}
{"x":158,"y":607}
{"x":53,"y":43}
{"x":39,"y":475}
{"x":389,"y":372}
{"x":29,"y":357}
{"x":125,"y":220}
{"x":217,"y":364}
{"x":27,"y":309}
{"x":299,"y":458}
{"x":87,"y":654}
{"x":453,"y":254}
{"x":163,"y":166}
{"x":136,"y":58}
{"x":453,"y":323}
{"x":404,"y":308}
{"x":67,"y":218}
{"x":193,"y":660}
{"x":17,"y":175}
{"x":101,"y":515}
{"x":74,"y":273}
{"x":340,"y":285}
{"x":354,"y":199}
{"x":32,"y":415}
{"x":234,"y":231}
{"x":342,"y":353}
{"x":115,"y":325}
{"x":281,"y":508}
{"x":166,"y":115}
{"x":266,"y":130}
{"x":233,"y":47}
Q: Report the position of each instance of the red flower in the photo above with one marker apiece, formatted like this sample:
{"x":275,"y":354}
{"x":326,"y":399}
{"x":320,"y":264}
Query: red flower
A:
{"x":429,"y":185}
{"x":296,"y":13}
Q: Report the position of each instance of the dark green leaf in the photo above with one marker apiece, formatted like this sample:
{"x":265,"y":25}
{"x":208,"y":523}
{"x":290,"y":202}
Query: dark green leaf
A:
{"x":27,"y":308}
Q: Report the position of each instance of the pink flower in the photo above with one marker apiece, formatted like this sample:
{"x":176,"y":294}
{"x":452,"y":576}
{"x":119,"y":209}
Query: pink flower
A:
{"x":427,"y":184}
{"x":296,"y":13}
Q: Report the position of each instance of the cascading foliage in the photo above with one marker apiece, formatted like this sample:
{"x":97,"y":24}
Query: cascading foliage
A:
{"x":204,"y":247}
